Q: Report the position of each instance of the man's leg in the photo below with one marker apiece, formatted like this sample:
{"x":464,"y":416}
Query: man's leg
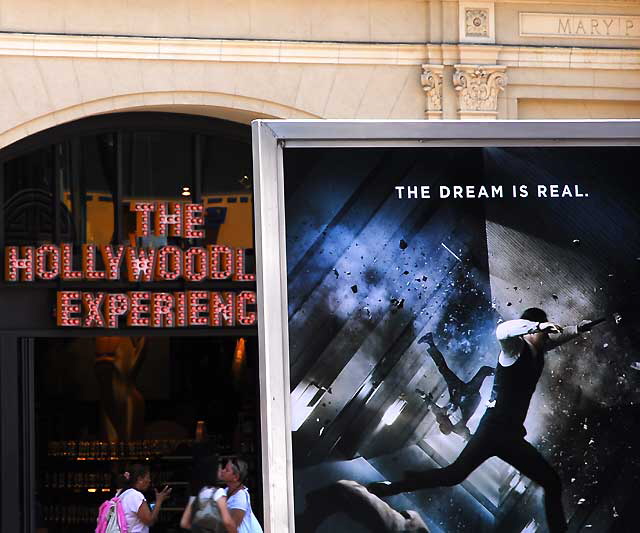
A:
{"x":477,"y":450}
{"x":525,"y":458}
{"x":454,"y":383}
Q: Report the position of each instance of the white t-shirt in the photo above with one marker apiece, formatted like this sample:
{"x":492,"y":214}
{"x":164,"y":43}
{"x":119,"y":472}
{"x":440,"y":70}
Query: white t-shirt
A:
{"x":240,"y":500}
{"x":131,"y":501}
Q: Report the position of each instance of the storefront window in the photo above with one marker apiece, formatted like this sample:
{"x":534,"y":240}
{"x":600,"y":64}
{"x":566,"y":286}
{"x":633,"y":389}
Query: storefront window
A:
{"x":149,"y":401}
{"x":167,"y":393}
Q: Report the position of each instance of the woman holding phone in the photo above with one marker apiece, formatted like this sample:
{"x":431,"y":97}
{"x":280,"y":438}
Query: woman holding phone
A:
{"x":135,"y":482}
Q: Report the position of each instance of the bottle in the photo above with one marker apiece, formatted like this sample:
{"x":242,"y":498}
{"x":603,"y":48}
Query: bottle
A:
{"x":201,"y":431}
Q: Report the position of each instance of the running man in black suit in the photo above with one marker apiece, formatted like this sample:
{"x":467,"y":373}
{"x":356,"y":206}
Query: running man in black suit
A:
{"x":501,"y":432}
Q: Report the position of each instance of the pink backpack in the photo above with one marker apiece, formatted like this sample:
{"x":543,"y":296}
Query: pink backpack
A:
{"x":111,"y":518}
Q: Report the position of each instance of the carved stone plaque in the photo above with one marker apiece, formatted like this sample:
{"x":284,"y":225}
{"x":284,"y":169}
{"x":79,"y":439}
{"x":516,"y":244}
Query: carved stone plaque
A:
{"x":580,"y":26}
{"x":476,"y":22}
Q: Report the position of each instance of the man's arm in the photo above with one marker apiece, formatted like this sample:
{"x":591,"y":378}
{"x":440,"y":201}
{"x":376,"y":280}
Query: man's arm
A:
{"x":515,"y":329}
{"x":510,"y":334}
{"x":568,"y":333}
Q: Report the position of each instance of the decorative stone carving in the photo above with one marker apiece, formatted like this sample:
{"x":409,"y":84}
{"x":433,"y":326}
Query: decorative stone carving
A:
{"x":476,"y":22}
{"x":478,"y":88}
{"x":431,"y":80}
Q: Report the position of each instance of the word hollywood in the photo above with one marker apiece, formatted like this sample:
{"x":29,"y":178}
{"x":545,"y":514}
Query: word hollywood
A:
{"x":143,"y":308}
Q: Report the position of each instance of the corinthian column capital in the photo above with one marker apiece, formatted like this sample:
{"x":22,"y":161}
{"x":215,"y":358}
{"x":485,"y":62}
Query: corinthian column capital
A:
{"x":478,"y":87}
{"x":431,"y":80}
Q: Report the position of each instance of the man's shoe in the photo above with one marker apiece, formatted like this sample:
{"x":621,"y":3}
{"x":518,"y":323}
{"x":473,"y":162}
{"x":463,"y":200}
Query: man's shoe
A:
{"x":380,"y":489}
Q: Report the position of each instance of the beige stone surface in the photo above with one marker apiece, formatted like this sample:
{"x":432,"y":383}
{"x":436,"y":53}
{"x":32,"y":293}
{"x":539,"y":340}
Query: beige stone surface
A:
{"x":347,"y":91}
{"x":356,"y":20}
{"x":59,"y":76}
{"x":27,"y":86}
{"x":582,"y":109}
{"x":10,"y":111}
{"x":93,"y":79}
{"x":287,"y":58}
{"x":316,"y":82}
{"x":380,"y":96}
{"x":410,"y":102}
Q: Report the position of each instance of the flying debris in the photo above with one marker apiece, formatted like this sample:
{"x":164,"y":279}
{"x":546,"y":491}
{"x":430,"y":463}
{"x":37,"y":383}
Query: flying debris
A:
{"x":245,"y":182}
{"x":396,"y":304}
{"x":635,"y":365}
{"x":405,"y":272}
{"x":336,"y":273}
{"x":450,"y":251}
{"x":403,"y":244}
{"x":354,"y":289}
{"x":617,"y":317}
{"x":555,"y":297}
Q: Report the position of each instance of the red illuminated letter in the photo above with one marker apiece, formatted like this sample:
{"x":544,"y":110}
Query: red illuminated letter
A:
{"x":13,"y":263}
{"x":193,"y":216}
{"x":142,"y":210}
{"x":66,"y":308}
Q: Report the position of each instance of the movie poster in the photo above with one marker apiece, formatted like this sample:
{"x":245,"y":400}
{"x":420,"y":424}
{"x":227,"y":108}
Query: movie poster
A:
{"x":464,"y":335}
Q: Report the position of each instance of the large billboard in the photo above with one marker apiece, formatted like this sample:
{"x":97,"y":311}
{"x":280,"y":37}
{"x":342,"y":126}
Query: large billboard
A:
{"x":461,"y":330}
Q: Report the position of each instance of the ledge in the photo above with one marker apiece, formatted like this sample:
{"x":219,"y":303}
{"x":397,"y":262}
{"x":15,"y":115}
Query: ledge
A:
{"x":302,"y":52}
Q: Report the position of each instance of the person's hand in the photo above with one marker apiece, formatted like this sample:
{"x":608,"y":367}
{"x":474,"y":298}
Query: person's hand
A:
{"x":549,"y":327}
{"x":220,"y":493}
{"x":163,"y":494}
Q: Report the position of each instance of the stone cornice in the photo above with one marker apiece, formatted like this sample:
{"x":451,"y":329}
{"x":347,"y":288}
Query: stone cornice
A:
{"x":107,"y":47}
{"x":535,"y":56}
{"x":168,"y":48}
{"x":580,"y":3}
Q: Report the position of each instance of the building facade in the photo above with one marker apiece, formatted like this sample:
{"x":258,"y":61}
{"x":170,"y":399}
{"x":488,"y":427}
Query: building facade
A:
{"x":106,"y":87}
{"x":401,"y":59}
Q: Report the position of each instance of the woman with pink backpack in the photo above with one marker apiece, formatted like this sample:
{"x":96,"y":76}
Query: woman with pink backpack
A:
{"x":128,"y":511}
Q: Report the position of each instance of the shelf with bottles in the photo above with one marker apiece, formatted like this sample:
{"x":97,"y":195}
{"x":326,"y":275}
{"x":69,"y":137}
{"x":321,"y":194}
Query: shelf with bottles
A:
{"x":135,"y":450}
{"x":68,"y":517}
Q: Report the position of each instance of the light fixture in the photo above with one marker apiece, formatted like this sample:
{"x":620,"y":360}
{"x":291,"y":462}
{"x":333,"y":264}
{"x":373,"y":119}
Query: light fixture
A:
{"x":393,"y":411}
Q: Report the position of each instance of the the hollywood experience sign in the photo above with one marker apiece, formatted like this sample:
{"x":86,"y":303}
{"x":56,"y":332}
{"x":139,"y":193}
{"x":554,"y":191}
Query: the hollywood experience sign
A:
{"x":143,"y":308}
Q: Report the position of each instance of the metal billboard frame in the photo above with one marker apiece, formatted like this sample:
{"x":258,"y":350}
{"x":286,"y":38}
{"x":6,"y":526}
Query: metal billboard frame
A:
{"x":270,"y":137}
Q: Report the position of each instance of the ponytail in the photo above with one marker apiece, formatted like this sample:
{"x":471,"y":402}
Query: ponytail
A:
{"x":131,"y":475}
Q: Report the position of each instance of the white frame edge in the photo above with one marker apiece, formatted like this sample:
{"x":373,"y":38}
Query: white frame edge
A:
{"x":273,"y":331}
{"x":269,"y":139}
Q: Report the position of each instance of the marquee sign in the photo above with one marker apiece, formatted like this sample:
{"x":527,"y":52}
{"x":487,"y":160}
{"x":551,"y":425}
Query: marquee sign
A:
{"x":143,"y":308}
